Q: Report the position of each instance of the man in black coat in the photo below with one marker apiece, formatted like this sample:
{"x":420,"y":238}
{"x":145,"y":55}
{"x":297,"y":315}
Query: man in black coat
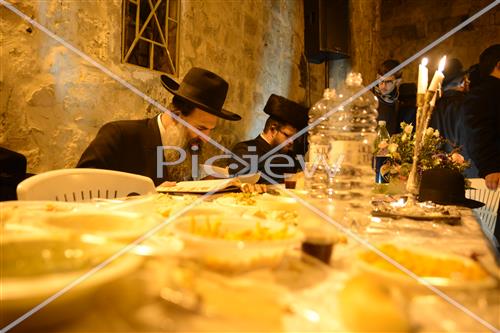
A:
{"x":285,"y":119}
{"x":387,"y":92}
{"x":163,"y":147}
{"x":482,"y":118}
{"x":448,"y":115}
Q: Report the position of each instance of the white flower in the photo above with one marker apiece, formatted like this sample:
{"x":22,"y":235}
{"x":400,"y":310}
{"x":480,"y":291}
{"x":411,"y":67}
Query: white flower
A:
{"x":393,"y":147}
{"x":408,"y":129}
{"x":404,"y":137}
{"x":436,"y":133}
{"x":457,"y":158}
{"x":429,"y":131}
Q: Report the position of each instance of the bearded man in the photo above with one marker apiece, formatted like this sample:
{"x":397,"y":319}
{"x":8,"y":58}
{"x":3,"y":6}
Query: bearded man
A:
{"x":162,"y":147}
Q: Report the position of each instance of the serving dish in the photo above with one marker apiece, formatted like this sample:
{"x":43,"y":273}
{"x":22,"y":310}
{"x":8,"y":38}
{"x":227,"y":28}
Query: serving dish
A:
{"x":36,"y":268}
{"x":443,"y":270}
{"x":232,"y":243}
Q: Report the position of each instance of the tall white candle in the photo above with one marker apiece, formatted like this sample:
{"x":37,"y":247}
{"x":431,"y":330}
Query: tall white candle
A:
{"x":438,"y":76}
{"x":423,"y":76}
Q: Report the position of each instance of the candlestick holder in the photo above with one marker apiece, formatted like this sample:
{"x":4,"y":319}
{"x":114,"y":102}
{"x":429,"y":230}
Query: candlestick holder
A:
{"x":424,"y":112}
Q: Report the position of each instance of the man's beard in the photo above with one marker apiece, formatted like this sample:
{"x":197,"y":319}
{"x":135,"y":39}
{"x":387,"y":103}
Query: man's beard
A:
{"x":177,"y":135}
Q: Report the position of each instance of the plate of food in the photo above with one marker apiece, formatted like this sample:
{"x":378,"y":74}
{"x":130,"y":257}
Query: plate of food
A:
{"x":231,"y":243}
{"x":33,"y":269}
{"x":115,"y":225}
{"x":439,"y":269}
{"x":424,"y":211}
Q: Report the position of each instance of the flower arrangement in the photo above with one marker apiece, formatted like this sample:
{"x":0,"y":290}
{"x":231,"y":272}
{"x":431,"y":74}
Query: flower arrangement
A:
{"x":400,"y":147}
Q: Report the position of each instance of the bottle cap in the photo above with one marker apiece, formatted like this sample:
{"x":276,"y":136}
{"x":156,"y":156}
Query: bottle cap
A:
{"x":381,"y":123}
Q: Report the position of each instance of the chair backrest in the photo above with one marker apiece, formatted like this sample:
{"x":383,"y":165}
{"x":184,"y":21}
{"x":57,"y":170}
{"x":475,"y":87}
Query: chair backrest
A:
{"x":83,"y":185}
{"x":488,"y":213}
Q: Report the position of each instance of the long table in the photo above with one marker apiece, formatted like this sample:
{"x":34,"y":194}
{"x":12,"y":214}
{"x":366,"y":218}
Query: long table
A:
{"x":301,"y":294}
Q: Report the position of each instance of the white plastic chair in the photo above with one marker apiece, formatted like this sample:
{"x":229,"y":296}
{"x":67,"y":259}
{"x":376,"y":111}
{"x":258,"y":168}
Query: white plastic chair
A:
{"x":83,"y":185}
{"x":488,"y":213}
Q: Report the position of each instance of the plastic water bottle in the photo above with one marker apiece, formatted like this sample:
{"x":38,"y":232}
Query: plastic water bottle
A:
{"x":352,"y":135}
{"x":319,"y":137}
{"x":380,"y":153}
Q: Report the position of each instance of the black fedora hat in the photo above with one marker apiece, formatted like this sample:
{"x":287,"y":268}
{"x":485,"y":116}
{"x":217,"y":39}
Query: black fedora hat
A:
{"x":453,"y":71}
{"x":287,"y":111}
{"x":445,"y":187}
{"x":203,"y":88}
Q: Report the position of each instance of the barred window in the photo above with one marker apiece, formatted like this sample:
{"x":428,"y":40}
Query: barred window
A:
{"x":150,"y":34}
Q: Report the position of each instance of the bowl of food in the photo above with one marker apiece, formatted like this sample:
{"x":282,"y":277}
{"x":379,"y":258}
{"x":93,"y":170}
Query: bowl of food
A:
{"x":236,"y":244}
{"x":276,"y":202}
{"x":36,"y":268}
{"x":115,"y":225}
{"x":443,"y":270}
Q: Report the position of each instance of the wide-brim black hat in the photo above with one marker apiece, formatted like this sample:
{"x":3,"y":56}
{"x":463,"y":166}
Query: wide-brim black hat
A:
{"x":287,"y":111}
{"x":203,"y":88}
{"x":445,"y":187}
{"x":453,"y":71}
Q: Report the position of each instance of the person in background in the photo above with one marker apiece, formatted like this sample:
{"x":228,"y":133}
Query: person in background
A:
{"x":482,"y":118}
{"x":132,"y":145}
{"x":285,"y":119}
{"x":387,"y":92}
{"x":448,"y":114}
{"x":407,"y":103}
{"x":12,"y":172}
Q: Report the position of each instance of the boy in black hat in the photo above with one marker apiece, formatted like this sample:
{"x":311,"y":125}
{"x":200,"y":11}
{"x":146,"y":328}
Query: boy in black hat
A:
{"x":285,"y":119}
{"x":161,"y":147}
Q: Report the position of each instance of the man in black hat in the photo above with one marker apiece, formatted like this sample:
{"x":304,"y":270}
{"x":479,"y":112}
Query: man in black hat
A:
{"x":162,"y":147}
{"x":285,"y":119}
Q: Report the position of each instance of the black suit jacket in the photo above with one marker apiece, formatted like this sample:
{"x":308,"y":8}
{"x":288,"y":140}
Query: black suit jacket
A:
{"x":261,"y":148}
{"x":128,"y":146}
{"x":482,"y":125}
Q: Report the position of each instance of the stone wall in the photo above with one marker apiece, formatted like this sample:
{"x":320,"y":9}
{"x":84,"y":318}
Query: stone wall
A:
{"x":407,"y":26}
{"x":53,"y":102}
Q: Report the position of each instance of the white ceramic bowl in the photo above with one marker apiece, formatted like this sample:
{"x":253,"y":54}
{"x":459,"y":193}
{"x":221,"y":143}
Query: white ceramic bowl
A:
{"x":115,"y":225}
{"x":238,"y":253}
{"x":36,"y":268}
{"x":276,"y":202}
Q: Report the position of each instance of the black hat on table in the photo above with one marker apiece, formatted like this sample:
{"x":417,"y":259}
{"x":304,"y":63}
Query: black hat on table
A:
{"x":287,"y":111}
{"x":203,"y":88}
{"x":445,"y":187}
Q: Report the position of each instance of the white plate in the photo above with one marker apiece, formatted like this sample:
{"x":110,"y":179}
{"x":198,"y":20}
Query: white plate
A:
{"x":439,"y":259}
{"x":23,"y":290}
{"x":114,"y":225}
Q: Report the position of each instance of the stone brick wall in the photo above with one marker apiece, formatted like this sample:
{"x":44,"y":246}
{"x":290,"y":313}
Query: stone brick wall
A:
{"x":408,"y":26}
{"x":52,"y":102}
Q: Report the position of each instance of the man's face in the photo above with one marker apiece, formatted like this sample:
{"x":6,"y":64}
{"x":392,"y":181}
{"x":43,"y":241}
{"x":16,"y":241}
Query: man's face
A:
{"x":388,"y":85}
{"x":201,"y":120}
{"x":281,"y":135}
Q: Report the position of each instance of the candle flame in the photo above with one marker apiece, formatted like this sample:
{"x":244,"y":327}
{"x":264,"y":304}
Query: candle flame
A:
{"x":425,"y":61}
{"x":442,"y":63}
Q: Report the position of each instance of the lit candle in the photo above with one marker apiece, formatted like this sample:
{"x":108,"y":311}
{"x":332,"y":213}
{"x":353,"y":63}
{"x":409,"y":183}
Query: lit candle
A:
{"x":438,"y":76}
{"x":423,"y":76}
